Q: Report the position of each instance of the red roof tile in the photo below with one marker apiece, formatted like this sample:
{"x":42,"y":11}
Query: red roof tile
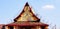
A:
{"x":27,"y":24}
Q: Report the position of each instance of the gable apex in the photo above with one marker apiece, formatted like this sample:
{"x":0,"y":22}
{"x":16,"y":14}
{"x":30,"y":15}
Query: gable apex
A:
{"x":26,"y":4}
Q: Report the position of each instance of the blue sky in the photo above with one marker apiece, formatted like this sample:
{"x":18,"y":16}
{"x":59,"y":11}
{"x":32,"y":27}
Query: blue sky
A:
{"x":48,"y":10}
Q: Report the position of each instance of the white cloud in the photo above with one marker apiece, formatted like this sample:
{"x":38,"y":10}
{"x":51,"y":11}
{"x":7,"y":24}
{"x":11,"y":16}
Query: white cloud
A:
{"x":48,"y":7}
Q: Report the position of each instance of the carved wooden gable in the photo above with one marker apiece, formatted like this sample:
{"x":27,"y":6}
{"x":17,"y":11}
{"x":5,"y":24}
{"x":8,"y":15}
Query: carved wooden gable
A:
{"x":26,"y":14}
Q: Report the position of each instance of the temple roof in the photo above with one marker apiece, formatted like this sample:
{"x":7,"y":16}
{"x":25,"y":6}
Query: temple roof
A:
{"x":27,"y":18}
{"x":27,"y":14}
{"x":27,"y":24}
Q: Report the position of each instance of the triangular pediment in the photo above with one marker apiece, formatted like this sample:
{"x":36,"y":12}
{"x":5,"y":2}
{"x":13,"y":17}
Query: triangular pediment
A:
{"x":26,"y":14}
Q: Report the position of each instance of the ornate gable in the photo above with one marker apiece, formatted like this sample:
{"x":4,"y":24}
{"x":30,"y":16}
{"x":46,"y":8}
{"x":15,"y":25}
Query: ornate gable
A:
{"x":26,"y":15}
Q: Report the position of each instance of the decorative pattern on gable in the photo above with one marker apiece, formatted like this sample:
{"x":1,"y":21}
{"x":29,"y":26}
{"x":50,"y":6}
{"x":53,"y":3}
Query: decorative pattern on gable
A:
{"x":27,"y":16}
